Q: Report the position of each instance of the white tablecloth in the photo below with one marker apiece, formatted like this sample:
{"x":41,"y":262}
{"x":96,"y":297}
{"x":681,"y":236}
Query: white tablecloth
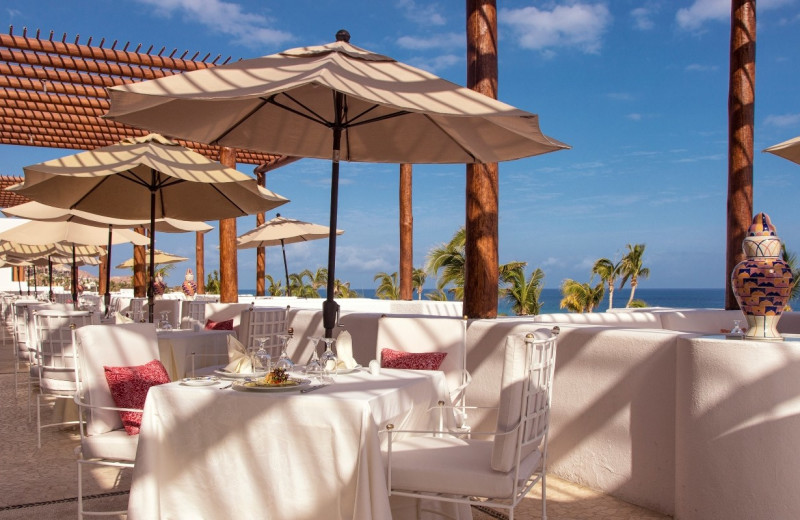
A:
{"x":206,"y":453}
{"x":176,"y":346}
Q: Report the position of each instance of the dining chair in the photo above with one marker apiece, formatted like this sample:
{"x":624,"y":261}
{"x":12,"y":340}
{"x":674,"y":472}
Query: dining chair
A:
{"x":137,"y":310}
{"x":104,"y":440}
{"x":53,"y":351}
{"x":497,"y":471}
{"x":193,"y":314}
{"x":259,"y":323}
{"x":419,"y":336}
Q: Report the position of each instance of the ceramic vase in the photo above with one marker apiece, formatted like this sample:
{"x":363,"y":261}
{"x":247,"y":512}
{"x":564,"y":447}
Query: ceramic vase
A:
{"x":762,"y":282}
{"x":189,"y":286}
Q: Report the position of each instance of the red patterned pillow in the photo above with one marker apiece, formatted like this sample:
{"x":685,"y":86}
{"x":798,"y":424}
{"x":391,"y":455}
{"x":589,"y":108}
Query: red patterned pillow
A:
{"x":129,"y":386}
{"x":391,"y":358}
{"x":219,"y":325}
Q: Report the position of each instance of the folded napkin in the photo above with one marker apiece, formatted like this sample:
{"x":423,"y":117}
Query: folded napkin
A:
{"x":344,"y":351}
{"x":239,"y":360}
{"x":119,"y":318}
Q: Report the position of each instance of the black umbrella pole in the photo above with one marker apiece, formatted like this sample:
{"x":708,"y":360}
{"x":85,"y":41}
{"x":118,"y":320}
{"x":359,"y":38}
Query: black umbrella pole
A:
{"x":107,"y":296}
{"x":151,"y":270}
{"x":330,"y":309}
{"x":74,"y":281}
{"x":286,"y":270}
{"x":50,"y":275}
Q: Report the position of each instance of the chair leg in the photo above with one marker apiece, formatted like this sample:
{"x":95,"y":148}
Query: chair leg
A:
{"x":79,"y":453}
{"x":544,"y":496}
{"x":38,"y":422}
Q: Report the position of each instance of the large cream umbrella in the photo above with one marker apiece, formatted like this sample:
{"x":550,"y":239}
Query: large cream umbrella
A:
{"x":38,"y":211}
{"x":332,"y":101}
{"x":159,"y":257}
{"x":280,"y":231}
{"x":788,"y":149}
{"x":147,"y":177}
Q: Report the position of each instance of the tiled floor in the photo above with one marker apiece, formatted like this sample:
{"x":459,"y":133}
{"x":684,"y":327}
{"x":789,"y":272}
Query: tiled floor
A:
{"x":29,"y":475}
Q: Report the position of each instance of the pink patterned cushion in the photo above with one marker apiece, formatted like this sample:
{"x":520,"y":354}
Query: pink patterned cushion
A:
{"x":219,"y":325}
{"x":129,"y":386}
{"x":391,"y":358}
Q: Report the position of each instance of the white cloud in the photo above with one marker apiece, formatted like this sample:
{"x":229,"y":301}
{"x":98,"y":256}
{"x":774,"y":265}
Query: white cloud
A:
{"x":620,"y":96}
{"x":436,"y":41}
{"x":693,"y":17}
{"x":635,"y":117}
{"x":579,"y":26}
{"x":783,"y":120}
{"x":423,"y":13}
{"x":696,"y":67}
{"x":643,"y":18}
{"x":250,"y":29}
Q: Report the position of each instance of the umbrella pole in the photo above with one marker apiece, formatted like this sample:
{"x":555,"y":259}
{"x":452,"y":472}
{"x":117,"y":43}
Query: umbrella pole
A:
{"x":286,"y":270}
{"x":330,"y":309}
{"x":107,"y":295}
{"x":50,"y":274}
{"x":35,"y":286}
{"x":28,"y":279}
{"x":74,"y":280}
{"x":151,"y":272}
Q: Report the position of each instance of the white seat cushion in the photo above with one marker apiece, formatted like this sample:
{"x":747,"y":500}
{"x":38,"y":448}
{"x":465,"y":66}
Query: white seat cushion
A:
{"x":114,"y":445}
{"x":453,"y":466}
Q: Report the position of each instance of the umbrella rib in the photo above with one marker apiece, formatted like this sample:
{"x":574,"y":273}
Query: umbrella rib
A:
{"x":239,"y":122}
{"x":309,"y":114}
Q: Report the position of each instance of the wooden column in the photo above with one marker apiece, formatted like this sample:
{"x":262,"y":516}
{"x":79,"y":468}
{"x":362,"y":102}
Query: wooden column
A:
{"x":228,"y":268}
{"x":139,"y":268}
{"x":261,"y":252}
{"x":482,"y":268}
{"x":741,"y":97}
{"x":406,"y":235}
{"x":101,"y":274}
{"x":199,"y":260}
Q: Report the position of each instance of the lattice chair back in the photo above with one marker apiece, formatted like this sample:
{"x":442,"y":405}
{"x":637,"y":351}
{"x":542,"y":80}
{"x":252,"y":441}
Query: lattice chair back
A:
{"x":61,"y":297}
{"x":194,"y":314}
{"x":54,"y":345}
{"x":137,"y":311}
{"x":264,"y":322}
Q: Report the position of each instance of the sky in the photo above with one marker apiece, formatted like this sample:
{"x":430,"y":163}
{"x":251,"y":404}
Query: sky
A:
{"x":638,"y":89}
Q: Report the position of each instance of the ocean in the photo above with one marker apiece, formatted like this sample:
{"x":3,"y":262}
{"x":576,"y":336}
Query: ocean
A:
{"x":550,"y":298}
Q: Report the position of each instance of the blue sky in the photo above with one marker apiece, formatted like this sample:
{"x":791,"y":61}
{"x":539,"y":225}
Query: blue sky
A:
{"x":639,"y":89}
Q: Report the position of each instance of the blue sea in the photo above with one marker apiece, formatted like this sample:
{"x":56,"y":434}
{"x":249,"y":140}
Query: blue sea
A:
{"x":550,"y":298}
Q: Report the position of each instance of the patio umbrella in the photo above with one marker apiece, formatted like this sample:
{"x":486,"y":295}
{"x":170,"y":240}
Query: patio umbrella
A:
{"x":334,"y":101}
{"x":281,"y":231}
{"x":38,"y":211}
{"x":159,"y":258}
{"x":788,"y":149}
{"x":148,"y":177}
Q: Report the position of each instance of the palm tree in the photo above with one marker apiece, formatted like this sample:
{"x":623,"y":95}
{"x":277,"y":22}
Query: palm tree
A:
{"x":580,"y":297}
{"x":521,"y":293}
{"x":319,"y":279}
{"x":388,"y":288}
{"x":418,"y":281}
{"x":275,"y":286}
{"x":342,"y":289}
{"x":439,"y":295}
{"x":608,"y":272}
{"x":631,"y":268}
{"x":299,"y":287}
{"x":450,"y":258}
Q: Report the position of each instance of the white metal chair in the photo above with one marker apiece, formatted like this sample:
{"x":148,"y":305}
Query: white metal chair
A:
{"x":104,"y":441}
{"x":259,"y":323}
{"x":449,"y":466}
{"x":54,"y":359}
{"x":424,"y":334}
{"x":193,"y":314}
{"x":137,"y":310}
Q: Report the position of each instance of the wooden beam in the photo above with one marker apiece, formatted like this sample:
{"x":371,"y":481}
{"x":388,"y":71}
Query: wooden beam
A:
{"x":406,"y":235}
{"x":228,"y":266}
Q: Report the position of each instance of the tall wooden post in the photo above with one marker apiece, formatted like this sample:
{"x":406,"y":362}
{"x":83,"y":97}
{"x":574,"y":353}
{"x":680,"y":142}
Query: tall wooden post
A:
{"x":482,"y":268}
{"x":199,"y":261}
{"x":228,"y":268}
{"x":139,"y":268}
{"x":406,"y":235}
{"x":261,"y":252}
{"x":741,"y":97}
{"x":102,"y":269}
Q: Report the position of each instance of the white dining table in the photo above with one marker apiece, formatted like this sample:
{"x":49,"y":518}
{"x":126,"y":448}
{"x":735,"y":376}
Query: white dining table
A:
{"x":212,"y":452}
{"x":177,"y":345}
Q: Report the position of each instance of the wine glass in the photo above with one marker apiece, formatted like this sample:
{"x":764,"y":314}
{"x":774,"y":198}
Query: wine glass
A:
{"x":328,"y":360}
{"x":313,"y":367}
{"x":736,"y":329}
{"x":164,"y":323}
{"x":262,"y":361}
{"x":284,"y":361}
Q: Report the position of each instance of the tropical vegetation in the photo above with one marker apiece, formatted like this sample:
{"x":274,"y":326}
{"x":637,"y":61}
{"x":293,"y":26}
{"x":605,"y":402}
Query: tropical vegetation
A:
{"x":522,"y":293}
{"x":580,"y":297}
{"x":632,"y":268}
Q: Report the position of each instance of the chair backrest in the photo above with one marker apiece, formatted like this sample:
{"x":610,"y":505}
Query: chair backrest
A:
{"x":98,"y":346}
{"x":525,"y":397}
{"x":193,"y":312}
{"x":54,"y":337}
{"x":173,"y":307}
{"x":137,"y":310}
{"x":61,"y":297}
{"x":263,"y":322}
{"x":427,"y":334}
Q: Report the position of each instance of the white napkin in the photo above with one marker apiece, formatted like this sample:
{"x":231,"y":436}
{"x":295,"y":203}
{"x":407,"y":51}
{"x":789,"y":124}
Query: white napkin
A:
{"x":344,"y":351}
{"x":239,"y":360}
{"x":119,"y":318}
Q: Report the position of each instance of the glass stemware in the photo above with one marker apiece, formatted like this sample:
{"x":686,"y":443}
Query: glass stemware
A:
{"x":164,"y":323}
{"x":736,"y":329}
{"x":313,"y":366}
{"x":262,"y":361}
{"x":328,"y":360}
{"x":284,"y":361}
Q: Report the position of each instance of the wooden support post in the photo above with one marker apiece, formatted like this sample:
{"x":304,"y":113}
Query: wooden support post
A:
{"x":406,"y":235}
{"x":482,"y":268}
{"x":261,"y":253}
{"x":199,"y":260}
{"x":139,"y":268}
{"x":228,"y":268}
{"x":741,"y":97}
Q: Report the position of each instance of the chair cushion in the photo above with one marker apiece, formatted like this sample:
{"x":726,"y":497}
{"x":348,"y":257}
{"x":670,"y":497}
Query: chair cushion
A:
{"x":219,"y":325}
{"x":454,"y":466}
{"x":391,"y":358}
{"x":113,"y":445}
{"x":129,"y":386}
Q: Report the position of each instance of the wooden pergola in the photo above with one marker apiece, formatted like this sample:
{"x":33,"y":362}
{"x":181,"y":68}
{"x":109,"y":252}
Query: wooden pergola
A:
{"x":53,"y":94}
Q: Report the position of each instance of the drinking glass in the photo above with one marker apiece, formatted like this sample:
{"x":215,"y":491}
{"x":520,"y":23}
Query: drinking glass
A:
{"x":328,"y":360}
{"x":262,"y":360}
{"x":284,"y":361}
{"x":736,"y":329}
{"x":164,"y":324}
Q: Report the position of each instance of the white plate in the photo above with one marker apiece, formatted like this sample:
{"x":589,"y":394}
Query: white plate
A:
{"x":239,"y":375}
{"x":200,"y":381}
{"x":301,"y":383}
{"x":342,"y":371}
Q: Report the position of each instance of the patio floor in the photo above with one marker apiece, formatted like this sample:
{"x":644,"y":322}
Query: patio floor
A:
{"x":41,"y":483}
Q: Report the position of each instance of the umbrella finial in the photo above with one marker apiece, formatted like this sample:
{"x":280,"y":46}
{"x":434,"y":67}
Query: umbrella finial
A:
{"x":343,"y":36}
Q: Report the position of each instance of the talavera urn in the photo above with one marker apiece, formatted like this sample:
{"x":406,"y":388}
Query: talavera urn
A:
{"x":762,"y":283}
